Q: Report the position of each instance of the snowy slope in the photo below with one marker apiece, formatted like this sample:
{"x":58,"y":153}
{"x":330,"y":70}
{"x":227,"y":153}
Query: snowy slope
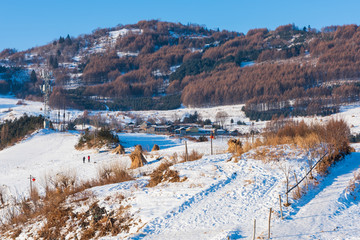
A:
{"x":220,"y":197}
{"x":327,"y":212}
{"x":46,"y":153}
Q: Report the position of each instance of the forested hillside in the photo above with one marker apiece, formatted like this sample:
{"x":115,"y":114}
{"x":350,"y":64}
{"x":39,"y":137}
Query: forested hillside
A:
{"x":159,"y":65}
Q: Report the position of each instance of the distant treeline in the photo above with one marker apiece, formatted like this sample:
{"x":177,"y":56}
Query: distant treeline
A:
{"x":12,"y":131}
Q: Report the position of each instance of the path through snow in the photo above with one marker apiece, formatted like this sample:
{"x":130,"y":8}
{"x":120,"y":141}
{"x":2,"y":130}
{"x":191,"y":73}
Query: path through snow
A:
{"x":320,"y":217}
{"x":226,"y":208}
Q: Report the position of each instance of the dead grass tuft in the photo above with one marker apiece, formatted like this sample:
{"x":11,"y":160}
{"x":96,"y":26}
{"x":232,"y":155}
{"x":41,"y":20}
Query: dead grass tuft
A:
{"x":235,"y":147}
{"x":53,"y":208}
{"x":113,"y":174}
{"x":163,"y":174}
{"x":194,"y":155}
{"x":354,"y":184}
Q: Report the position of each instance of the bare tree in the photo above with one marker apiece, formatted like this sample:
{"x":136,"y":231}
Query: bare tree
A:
{"x":221,"y":117}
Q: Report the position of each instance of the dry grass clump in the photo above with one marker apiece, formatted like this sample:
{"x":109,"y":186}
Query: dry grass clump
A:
{"x":97,"y":222}
{"x":247,"y":146}
{"x":137,"y":158}
{"x":119,"y":149}
{"x":331,"y":137}
{"x":155,"y":148}
{"x":235,"y":147}
{"x":174,"y":157}
{"x":53,"y":208}
{"x":163,"y":174}
{"x":113,"y":174}
{"x":194,"y":155}
{"x":354,"y":185}
{"x":298,"y":192}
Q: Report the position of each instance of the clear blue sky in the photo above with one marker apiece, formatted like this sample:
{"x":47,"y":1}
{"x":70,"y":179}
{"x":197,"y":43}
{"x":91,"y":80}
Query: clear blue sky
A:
{"x":29,"y":23}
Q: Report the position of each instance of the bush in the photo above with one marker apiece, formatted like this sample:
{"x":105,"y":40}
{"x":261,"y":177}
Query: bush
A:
{"x":202,"y":139}
{"x":331,"y":137}
{"x":163,"y":174}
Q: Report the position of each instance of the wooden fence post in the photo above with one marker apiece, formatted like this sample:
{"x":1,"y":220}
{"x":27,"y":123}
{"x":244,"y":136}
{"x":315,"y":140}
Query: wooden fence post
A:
{"x":269,"y":223}
{"x":281,"y":212}
{"x":30,"y":186}
{"x":287,"y":192}
{"x":254,"y":235}
{"x":186,"y":152}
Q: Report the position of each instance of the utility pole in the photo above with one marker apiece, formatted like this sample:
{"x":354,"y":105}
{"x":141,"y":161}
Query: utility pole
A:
{"x":46,"y":90}
{"x":212,"y":136}
{"x":30,"y":185}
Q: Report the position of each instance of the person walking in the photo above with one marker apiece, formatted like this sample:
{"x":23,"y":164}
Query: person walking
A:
{"x":89,"y":158}
{"x":84,"y":159}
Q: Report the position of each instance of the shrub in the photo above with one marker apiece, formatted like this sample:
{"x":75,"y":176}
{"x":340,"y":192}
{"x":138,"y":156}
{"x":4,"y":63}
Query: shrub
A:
{"x":202,"y":139}
{"x":316,"y":139}
{"x":163,"y":174}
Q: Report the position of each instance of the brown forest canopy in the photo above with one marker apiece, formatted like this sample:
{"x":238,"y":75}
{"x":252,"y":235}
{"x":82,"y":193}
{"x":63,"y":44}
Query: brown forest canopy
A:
{"x":206,"y":67}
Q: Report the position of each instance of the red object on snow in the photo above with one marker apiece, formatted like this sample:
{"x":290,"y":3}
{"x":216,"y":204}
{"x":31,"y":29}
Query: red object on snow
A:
{"x":33,"y":179}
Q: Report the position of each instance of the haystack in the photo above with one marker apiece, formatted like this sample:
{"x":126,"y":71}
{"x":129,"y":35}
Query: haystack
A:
{"x":119,"y":150}
{"x":235,"y":146}
{"x":155,"y":148}
{"x":138,"y":148}
{"x":137,"y":158}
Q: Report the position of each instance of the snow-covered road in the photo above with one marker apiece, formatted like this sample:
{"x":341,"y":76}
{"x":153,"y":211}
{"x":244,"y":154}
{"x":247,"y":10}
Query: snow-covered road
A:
{"x":224,"y":209}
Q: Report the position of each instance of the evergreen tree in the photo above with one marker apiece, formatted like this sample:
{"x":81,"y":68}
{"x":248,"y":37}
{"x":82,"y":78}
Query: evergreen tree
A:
{"x":33,"y":77}
{"x":53,"y":62}
{"x":61,"y":40}
{"x":68,"y":40}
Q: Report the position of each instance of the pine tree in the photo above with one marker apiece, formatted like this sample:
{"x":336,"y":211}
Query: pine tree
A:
{"x":33,"y":77}
{"x":68,"y":40}
{"x":61,"y":40}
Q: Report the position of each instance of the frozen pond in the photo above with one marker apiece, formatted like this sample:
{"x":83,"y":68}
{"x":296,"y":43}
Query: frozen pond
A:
{"x":147,"y":141}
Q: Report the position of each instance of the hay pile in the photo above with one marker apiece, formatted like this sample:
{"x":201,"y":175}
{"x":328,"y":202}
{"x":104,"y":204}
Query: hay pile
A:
{"x":137,"y":158}
{"x":155,"y":148}
{"x":235,"y":146}
{"x":119,"y":150}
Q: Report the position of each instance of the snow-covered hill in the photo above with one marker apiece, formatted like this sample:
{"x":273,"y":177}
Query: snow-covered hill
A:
{"x":218,"y":197}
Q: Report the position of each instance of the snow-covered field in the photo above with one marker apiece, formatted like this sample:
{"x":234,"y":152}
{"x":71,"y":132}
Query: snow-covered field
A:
{"x":220,"y":197}
{"x":9,"y":110}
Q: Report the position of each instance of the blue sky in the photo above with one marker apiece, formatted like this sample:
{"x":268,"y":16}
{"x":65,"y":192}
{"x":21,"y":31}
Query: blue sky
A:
{"x":29,"y":23}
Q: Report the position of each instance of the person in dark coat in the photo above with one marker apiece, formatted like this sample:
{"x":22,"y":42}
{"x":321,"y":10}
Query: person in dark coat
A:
{"x":84,"y":159}
{"x":89,"y":158}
